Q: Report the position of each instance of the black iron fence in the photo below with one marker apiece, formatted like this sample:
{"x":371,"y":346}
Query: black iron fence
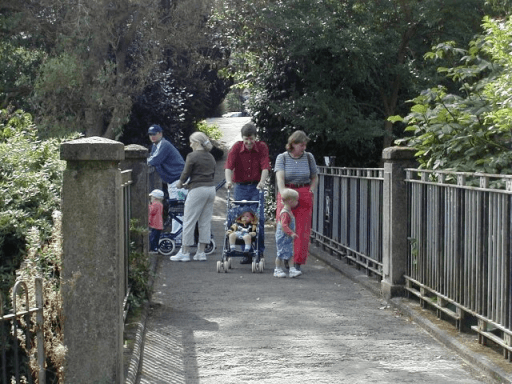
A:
{"x":13,"y":334}
{"x":460,"y":249}
{"x":126,"y":246}
{"x":347,"y":214}
{"x":459,"y":240}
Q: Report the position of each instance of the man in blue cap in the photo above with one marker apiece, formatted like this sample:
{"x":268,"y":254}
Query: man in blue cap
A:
{"x":168,"y":162}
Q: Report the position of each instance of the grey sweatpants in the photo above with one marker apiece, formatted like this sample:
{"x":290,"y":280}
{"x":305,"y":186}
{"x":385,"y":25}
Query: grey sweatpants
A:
{"x":198,"y":209}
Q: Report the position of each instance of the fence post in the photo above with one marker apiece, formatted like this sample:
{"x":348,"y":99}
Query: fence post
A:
{"x":136,"y":160}
{"x":92,"y":262}
{"x":394,"y":233}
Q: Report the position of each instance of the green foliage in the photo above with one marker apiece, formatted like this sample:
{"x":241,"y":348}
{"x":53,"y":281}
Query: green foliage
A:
{"x":30,"y":184}
{"x":107,"y":70}
{"x":17,"y":72}
{"x":44,"y":259}
{"x":469,"y":131}
{"x":210,"y":130}
{"x":235,"y":100}
{"x":335,"y":69}
{"x":139,"y":268}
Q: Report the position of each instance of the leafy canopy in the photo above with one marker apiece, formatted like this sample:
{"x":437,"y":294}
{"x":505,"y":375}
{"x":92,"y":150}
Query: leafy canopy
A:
{"x":469,"y":131}
{"x":336,"y":69}
{"x":30,"y":184}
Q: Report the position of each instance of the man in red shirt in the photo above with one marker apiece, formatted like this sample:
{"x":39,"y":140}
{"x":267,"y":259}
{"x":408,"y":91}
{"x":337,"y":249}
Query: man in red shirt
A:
{"x":248,"y":166}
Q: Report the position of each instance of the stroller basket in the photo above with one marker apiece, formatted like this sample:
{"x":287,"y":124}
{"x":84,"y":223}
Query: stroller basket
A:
{"x":176,"y":206}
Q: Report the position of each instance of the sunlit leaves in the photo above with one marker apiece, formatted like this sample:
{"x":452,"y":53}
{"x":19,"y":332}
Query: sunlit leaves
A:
{"x":30,"y":178}
{"x":470,"y":132}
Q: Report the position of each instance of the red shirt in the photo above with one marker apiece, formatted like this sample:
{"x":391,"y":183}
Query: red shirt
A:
{"x":286,"y":220}
{"x":156,"y":220}
{"x":247,"y":165}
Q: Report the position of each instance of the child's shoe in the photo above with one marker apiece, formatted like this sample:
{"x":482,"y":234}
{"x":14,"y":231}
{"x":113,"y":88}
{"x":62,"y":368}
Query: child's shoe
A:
{"x":180,"y":256}
{"x":294,"y":272}
{"x":278,"y":272}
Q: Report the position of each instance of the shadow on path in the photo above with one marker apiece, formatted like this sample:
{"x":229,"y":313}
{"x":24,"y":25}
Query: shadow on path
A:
{"x":206,"y":327}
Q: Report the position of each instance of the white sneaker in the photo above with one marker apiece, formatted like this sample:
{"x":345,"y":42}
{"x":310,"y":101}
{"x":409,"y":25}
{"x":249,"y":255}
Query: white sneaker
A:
{"x":278,"y":272}
{"x":180,"y":256}
{"x":200,"y":256}
{"x":294,"y":272}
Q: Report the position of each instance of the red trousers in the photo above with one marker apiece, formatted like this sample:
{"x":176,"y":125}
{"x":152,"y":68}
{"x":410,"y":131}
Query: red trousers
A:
{"x":303,"y":213}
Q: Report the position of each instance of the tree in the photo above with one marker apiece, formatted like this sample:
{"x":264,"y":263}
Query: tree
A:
{"x":469,"y":130}
{"x":101,"y":56}
{"x":338,"y":69}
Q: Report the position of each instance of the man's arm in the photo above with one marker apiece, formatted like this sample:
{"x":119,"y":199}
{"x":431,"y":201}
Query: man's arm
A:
{"x":228,"y":175}
{"x":264,"y":164}
{"x":263,"y":179}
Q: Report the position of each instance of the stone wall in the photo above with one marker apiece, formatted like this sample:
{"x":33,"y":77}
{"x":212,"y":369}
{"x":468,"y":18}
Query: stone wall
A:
{"x":93,"y":266}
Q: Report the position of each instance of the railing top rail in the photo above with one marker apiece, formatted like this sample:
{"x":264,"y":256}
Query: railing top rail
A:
{"x":126,"y":177}
{"x":20,"y":289}
{"x":466,"y":180}
{"x":361,"y":173}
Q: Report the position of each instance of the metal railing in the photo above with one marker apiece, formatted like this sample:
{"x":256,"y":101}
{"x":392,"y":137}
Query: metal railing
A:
{"x":10,"y":348}
{"x":347,"y":214}
{"x":126,"y":184}
{"x":460,"y":248}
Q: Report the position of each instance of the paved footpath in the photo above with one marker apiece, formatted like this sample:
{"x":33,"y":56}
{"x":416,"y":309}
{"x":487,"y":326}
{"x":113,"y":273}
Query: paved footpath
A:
{"x":242,"y":327}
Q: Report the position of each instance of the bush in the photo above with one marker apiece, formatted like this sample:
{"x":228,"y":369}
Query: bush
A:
{"x":45,"y":260}
{"x":30,"y":184}
{"x":210,"y":130}
{"x":469,"y":131}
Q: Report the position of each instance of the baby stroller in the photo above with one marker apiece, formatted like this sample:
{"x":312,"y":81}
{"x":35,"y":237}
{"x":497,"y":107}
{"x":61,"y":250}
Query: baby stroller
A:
{"x":234,"y":210}
{"x":170,"y":242}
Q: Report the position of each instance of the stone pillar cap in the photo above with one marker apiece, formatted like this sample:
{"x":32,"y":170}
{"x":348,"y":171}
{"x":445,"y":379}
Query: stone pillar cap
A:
{"x":398,"y":153}
{"x":135,"y":151}
{"x":92,"y":149}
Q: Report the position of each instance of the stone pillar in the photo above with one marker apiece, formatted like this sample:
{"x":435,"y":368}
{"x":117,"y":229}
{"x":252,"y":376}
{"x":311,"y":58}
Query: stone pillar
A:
{"x":136,"y":160}
{"x":394,"y":234}
{"x":92,"y":262}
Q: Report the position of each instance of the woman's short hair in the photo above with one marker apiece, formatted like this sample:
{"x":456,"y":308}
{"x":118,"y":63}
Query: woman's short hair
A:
{"x":201,"y":138}
{"x":289,"y":193}
{"x":249,"y":129}
{"x":297,"y":137}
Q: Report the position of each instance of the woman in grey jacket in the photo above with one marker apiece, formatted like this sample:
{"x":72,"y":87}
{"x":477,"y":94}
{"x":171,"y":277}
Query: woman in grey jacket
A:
{"x":199,"y":171}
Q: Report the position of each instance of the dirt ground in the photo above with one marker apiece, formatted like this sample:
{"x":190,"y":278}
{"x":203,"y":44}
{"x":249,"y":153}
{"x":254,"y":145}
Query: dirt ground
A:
{"x":243,"y":327}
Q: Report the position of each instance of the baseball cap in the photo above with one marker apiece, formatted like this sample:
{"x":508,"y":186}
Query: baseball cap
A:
{"x":157,"y":193}
{"x":154,"y":129}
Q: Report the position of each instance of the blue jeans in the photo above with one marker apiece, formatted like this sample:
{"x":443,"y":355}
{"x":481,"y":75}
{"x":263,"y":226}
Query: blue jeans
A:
{"x":154,"y":238}
{"x":251,"y":193}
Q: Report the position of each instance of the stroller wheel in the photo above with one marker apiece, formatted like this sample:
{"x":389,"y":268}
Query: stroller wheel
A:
{"x":226,"y":266}
{"x":210,"y":247}
{"x":261,"y":265}
{"x":218,"y":266}
{"x":166,"y":246}
{"x":229,"y":263}
{"x":254,"y":267}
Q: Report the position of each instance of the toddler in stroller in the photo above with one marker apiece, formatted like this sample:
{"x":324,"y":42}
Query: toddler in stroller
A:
{"x":242,"y":229}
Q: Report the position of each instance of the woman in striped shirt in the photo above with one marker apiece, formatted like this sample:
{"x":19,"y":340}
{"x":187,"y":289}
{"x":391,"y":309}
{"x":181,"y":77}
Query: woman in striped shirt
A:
{"x":296,"y":169}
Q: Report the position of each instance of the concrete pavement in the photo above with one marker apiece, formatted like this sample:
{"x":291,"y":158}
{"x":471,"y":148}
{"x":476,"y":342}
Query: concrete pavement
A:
{"x":328,"y":326}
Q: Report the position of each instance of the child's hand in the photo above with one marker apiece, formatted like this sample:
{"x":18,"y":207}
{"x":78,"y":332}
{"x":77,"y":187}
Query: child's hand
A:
{"x":294,"y":235}
{"x":230,"y":231}
{"x":252,"y":234}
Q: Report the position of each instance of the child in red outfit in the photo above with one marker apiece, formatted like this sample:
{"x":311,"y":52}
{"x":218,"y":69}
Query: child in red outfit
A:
{"x":285,"y":233}
{"x":156,"y":221}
